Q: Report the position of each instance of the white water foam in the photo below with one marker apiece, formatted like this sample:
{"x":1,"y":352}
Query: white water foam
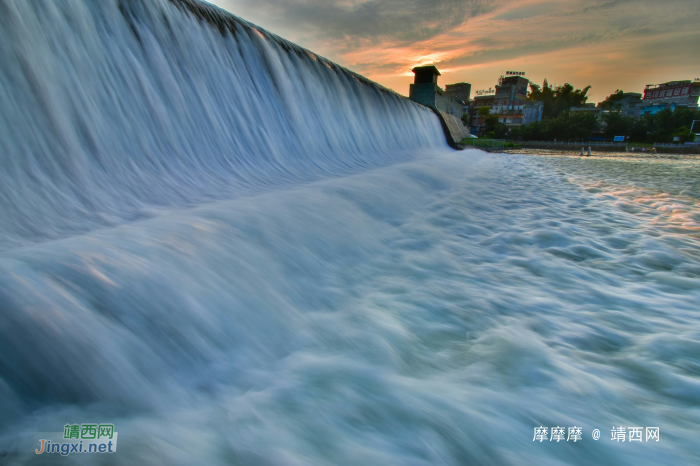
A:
{"x":432,"y":312}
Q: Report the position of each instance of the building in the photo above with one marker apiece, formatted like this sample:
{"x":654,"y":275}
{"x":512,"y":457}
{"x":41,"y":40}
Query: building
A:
{"x":629,"y":104}
{"x":626,"y":103}
{"x":670,"y":95}
{"x":588,"y":108}
{"x":656,"y":108}
{"x":509,"y":102}
{"x":674,"y":92}
{"x":461,"y":92}
{"x":585,"y":108}
{"x":533,"y":112}
{"x":426,"y":91}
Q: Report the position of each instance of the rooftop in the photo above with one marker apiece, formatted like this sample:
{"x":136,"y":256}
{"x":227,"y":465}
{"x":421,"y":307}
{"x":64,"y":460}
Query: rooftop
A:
{"x":423,"y":69}
{"x":670,"y":83}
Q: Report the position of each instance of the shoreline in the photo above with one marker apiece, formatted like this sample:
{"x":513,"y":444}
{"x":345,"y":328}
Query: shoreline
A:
{"x":594,"y":154}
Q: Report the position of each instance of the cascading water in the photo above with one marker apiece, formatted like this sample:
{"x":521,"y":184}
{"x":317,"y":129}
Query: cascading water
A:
{"x":112,"y":110}
{"x":238,"y":252}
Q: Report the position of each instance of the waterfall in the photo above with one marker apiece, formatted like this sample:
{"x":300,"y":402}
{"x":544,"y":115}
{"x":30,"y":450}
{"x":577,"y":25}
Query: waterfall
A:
{"x":111,"y":111}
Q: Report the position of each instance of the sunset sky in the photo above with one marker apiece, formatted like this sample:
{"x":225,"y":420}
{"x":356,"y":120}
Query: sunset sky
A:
{"x":617,"y":44}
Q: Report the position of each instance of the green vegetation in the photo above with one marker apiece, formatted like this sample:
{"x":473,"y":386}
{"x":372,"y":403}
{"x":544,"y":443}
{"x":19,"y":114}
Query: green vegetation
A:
{"x":662,"y":127}
{"x":481,"y":142}
{"x":470,"y":141}
{"x":493,"y":129}
{"x":613,"y":101}
{"x":558,"y":123}
{"x":557,"y":100}
{"x":488,"y":144}
{"x":567,"y":126}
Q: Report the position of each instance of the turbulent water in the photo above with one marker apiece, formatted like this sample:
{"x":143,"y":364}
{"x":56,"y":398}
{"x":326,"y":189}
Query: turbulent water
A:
{"x":239,"y":253}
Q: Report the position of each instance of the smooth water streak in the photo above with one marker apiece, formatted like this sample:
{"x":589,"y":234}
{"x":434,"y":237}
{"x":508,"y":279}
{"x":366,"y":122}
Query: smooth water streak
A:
{"x":112,"y":111}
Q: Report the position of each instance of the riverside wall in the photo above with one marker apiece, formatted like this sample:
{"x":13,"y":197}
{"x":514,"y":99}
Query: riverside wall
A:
{"x":607,"y":147}
{"x":572,"y":146}
{"x":678,"y":150}
{"x":455,"y":126}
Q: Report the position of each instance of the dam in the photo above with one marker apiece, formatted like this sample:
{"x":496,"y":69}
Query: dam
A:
{"x":236,"y":252}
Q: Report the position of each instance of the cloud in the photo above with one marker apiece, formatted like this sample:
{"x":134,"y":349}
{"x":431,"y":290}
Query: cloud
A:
{"x":473,"y":40}
{"x":356,"y":23}
{"x":528,"y":11}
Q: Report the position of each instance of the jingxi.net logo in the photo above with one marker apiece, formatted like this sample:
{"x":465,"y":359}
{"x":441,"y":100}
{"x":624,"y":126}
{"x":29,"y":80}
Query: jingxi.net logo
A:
{"x":80,"y":438}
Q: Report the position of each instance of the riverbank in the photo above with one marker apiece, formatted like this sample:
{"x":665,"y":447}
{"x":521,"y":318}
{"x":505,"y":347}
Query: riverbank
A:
{"x":564,"y":152}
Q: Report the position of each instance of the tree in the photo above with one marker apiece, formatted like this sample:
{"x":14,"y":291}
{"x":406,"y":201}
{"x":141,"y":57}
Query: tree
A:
{"x":684,"y":134}
{"x":640,"y":130}
{"x":568,"y":97}
{"x":500,"y":131}
{"x":613,"y":101}
{"x":536,"y":93}
{"x":617,"y":125}
{"x":494,"y":128}
{"x":559,"y":99}
{"x":541,"y":94}
{"x":663,"y":126}
{"x":558,"y":123}
{"x":491,"y":122}
{"x":575,"y":126}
